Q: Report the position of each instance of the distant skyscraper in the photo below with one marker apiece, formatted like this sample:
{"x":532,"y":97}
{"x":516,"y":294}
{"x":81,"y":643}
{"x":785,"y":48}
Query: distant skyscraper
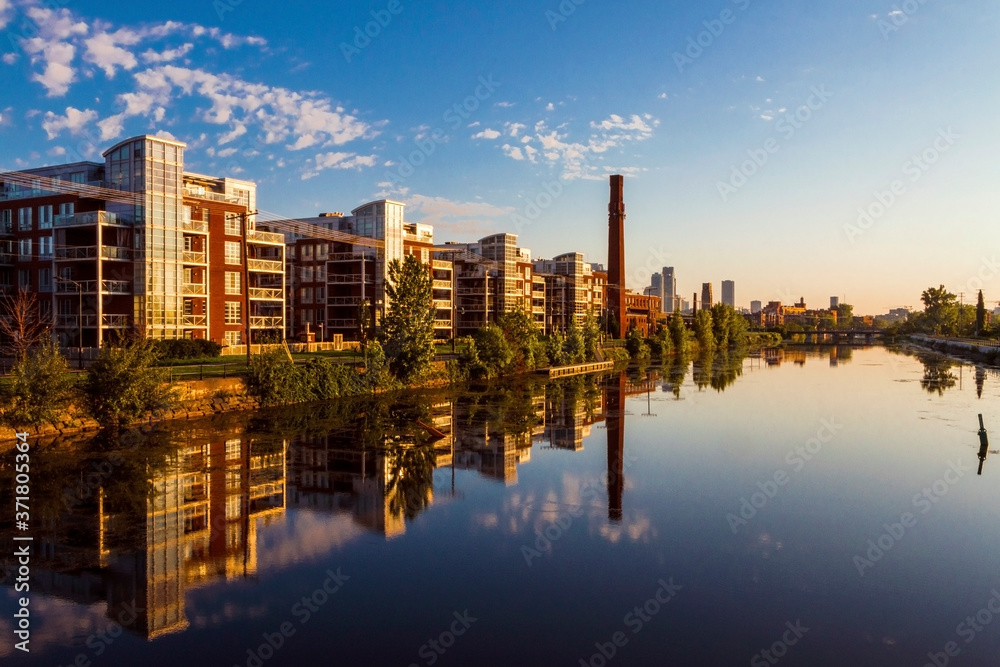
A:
{"x":656,"y":284}
{"x":670,"y":299}
{"x":755,"y":307}
{"x":729,"y":293}
{"x":706,"y":296}
{"x":834,"y":302}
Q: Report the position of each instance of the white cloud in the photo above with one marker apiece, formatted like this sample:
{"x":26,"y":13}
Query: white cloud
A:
{"x":338,"y":160}
{"x":513,"y":152}
{"x":515,"y":128}
{"x":486,"y":134}
{"x":227,"y":152}
{"x":151,"y":56}
{"x":6,"y":11}
{"x":49,"y":47}
{"x":74,"y":121}
{"x":550,"y":107}
{"x":759,"y":79}
{"x":455,"y":216}
{"x":506,"y":105}
{"x":112,"y":127}
{"x":662,"y":96}
{"x":56,"y":151}
{"x":104,"y":48}
{"x":10,"y":58}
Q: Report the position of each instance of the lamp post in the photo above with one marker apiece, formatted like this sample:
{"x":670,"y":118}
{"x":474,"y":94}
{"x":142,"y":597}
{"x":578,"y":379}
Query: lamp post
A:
{"x":79,"y":317}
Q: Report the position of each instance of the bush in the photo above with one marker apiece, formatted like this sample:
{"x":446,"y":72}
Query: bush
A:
{"x":493,"y":353}
{"x":616,"y":354}
{"x":41,"y":387}
{"x":635,"y":345}
{"x":123,"y":384}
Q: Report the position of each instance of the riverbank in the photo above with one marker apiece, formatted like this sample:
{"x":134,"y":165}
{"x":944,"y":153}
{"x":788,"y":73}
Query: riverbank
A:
{"x":973,"y":350}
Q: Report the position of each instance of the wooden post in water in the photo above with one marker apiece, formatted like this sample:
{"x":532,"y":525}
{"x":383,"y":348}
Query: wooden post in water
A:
{"x":984,"y":444}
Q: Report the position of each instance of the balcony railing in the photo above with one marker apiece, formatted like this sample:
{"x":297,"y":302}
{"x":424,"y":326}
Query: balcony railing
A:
{"x":213,"y":196}
{"x":441,"y":264}
{"x":89,"y":218}
{"x":116,"y":252}
{"x":442,"y":303}
{"x":349,"y":257}
{"x":267,"y":293}
{"x":116,"y":321}
{"x":69,"y":321}
{"x":78,"y":252}
{"x":268,"y":265}
{"x":256,"y":236}
{"x":349,"y":278}
{"x":116,"y":286}
{"x":66,"y":287}
{"x":196,"y":226}
{"x":343,"y":300}
{"x":343,"y":324}
{"x":442,"y":284}
{"x":192,"y":257}
{"x":277,"y":322}
{"x":195,"y":320}
{"x":195,"y":289}
{"x":442,"y":324}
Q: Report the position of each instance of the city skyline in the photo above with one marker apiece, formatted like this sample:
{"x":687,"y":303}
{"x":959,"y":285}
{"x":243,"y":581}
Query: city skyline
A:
{"x":508,"y":144}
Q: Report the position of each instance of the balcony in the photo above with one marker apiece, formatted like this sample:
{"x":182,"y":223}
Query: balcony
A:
{"x":272,"y":322}
{"x":86,"y":286}
{"x":441,"y":264}
{"x":266,"y":265}
{"x":195,"y":289}
{"x":268,"y":293}
{"x":343,"y":324}
{"x":442,"y":284}
{"x":116,"y":252}
{"x":193,"y":257}
{"x":442,"y":303}
{"x":116,"y":287}
{"x":271,"y":238}
{"x":195,"y":320}
{"x":195,"y":226}
{"x":73,"y":321}
{"x":90,"y":218}
{"x":201,"y":193}
{"x":349,"y":257}
{"x":442,"y":324}
{"x":77,"y":252}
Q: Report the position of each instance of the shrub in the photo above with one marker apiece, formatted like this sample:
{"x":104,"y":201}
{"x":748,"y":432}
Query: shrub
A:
{"x":635,"y":345}
{"x":41,"y":387}
{"x":123,"y":383}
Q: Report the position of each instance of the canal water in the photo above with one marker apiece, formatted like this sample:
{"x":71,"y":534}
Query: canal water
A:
{"x":808,"y":506}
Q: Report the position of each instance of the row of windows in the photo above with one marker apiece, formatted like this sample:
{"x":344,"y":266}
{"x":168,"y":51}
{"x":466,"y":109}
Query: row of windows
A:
{"x":44,"y":248}
{"x":25,"y":217}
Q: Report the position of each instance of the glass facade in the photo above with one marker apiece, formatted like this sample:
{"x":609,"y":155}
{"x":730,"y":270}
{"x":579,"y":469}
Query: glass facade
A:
{"x":153,"y":168}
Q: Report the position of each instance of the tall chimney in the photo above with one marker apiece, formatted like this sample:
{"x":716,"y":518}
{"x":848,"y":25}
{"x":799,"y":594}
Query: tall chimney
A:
{"x":616,"y":253}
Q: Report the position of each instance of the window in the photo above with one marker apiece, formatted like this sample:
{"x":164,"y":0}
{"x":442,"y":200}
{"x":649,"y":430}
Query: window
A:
{"x":232,"y":224}
{"x":77,"y":177}
{"x":24,"y":278}
{"x":234,"y":448}
{"x":6,"y":226}
{"x":24,"y":219}
{"x":233,"y":254}
{"x":67,"y":209}
{"x":233,"y":282}
{"x":45,"y":246}
{"x":45,"y":280}
{"x":234,"y":311}
{"x":307,"y":251}
{"x":45,"y":217}
{"x":234,"y":338}
{"x":24,"y":248}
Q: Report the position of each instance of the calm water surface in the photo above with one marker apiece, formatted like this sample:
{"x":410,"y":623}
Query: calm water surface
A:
{"x":821,"y":504}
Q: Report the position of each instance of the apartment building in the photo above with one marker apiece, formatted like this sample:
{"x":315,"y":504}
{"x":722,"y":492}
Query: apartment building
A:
{"x":137,"y":243}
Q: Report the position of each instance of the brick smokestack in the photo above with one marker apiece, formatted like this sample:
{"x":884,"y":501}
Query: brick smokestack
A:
{"x":616,"y":253}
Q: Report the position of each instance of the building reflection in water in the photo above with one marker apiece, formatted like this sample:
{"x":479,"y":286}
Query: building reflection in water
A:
{"x":151,"y":530}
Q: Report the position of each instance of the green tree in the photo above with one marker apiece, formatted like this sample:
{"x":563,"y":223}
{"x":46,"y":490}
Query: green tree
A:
{"x":575,"y":346}
{"x":661,"y":344}
{"x":678,"y":333}
{"x":522,"y":334}
{"x":940,"y":310}
{"x":591,"y":335}
{"x":738,"y":329}
{"x":492,"y":352}
{"x":703,"y":330}
{"x":408,"y":326}
{"x":980,"y":314}
{"x":41,"y":386}
{"x":845,"y":316}
{"x":636,"y":346}
{"x":721,"y":313}
{"x":124,"y":383}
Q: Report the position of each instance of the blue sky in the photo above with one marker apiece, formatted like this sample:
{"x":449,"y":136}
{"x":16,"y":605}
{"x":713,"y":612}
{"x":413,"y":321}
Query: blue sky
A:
{"x":750,"y":132}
